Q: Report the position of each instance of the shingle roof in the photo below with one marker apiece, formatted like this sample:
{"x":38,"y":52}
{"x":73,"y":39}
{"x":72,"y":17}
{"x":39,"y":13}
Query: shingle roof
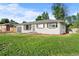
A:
{"x":46,"y":21}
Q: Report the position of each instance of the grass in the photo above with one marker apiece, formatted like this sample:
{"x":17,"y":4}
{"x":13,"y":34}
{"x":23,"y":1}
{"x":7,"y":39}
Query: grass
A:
{"x":39,"y":45}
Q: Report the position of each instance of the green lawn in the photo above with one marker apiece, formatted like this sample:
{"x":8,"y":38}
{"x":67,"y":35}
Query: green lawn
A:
{"x":39,"y":45}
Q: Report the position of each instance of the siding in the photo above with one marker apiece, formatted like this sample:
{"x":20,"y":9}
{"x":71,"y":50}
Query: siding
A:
{"x":2,"y":28}
{"x":23,"y":30}
{"x":62,"y":28}
{"x":59,"y":30}
{"x":47,"y":30}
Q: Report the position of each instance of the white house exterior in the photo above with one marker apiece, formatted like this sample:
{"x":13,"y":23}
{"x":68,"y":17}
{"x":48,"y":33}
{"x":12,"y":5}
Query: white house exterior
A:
{"x":43,"y":27}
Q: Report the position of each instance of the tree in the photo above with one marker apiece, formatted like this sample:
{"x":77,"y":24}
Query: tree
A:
{"x":69,"y":20}
{"x":13,"y":22}
{"x":74,"y":18}
{"x":76,"y":24}
{"x":39,"y":18}
{"x":4,"y":20}
{"x":77,"y":16}
{"x":45,"y":15}
{"x":59,"y":11}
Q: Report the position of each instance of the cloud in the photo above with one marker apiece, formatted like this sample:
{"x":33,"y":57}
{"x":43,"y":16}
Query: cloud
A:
{"x":18,"y":13}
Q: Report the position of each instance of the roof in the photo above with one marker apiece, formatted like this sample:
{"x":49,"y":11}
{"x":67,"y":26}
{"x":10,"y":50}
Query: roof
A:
{"x":42,"y":21}
{"x":5,"y":24}
{"x":46,"y":21}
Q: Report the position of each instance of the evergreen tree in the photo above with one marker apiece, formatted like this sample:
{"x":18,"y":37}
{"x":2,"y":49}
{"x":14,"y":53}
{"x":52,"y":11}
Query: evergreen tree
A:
{"x":59,"y":11}
{"x":45,"y":15}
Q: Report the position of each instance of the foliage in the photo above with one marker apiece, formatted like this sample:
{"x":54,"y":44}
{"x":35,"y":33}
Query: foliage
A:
{"x":59,"y":11}
{"x":74,"y":18}
{"x":44,"y":16}
{"x":73,"y":21}
{"x":13,"y":22}
{"x":39,"y":45}
{"x":77,"y":16}
{"x":76,"y":24}
{"x":4,"y":20}
{"x":69,"y":20}
{"x":39,"y":18}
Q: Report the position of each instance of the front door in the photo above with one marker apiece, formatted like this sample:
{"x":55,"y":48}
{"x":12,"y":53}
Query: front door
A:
{"x":7,"y":27}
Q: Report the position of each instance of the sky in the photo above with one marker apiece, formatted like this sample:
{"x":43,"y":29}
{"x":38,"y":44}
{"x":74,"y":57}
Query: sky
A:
{"x":20,"y":12}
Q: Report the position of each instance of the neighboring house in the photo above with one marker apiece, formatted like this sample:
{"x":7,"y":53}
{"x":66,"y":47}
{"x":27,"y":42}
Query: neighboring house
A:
{"x":43,"y":27}
{"x":74,"y":30}
{"x":7,"y":28}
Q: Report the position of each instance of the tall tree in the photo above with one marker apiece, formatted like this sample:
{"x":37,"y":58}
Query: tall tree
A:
{"x":4,"y":20}
{"x":59,"y":11}
{"x":45,"y":15}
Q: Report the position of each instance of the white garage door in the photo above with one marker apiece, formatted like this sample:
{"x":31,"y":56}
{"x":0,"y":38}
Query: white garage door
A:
{"x":19,"y":29}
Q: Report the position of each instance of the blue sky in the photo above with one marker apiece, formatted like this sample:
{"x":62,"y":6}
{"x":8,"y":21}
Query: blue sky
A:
{"x":29,"y":11}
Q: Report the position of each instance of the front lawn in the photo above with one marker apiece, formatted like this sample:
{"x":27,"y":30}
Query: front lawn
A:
{"x":39,"y":45}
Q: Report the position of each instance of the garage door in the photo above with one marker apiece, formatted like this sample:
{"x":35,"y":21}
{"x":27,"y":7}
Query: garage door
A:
{"x":19,"y":29}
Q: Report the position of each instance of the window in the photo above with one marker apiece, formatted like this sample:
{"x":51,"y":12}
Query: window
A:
{"x":27,"y":27}
{"x":52,"y":25}
{"x":40,"y":26}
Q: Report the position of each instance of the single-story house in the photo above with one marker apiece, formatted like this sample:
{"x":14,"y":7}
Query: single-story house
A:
{"x":43,"y":27}
{"x":7,"y":27}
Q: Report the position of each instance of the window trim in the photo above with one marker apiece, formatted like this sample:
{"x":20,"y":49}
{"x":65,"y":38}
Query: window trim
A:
{"x":29,"y":27}
{"x":40,"y":28}
{"x":48,"y":24}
